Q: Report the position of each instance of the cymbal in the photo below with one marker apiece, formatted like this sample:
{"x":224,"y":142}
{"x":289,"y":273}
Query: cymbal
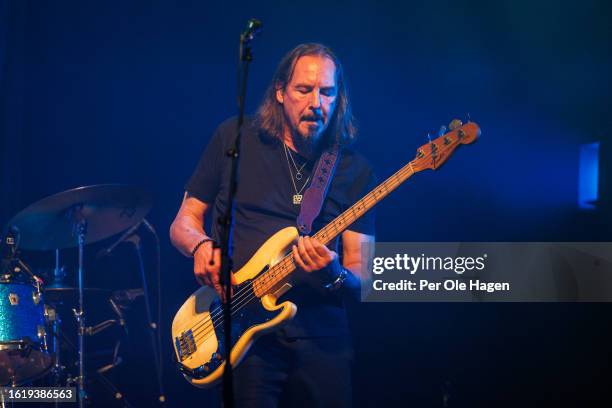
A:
{"x":105,"y":209}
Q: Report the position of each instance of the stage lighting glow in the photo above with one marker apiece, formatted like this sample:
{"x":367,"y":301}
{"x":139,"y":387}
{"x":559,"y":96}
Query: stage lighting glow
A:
{"x":588,"y":176}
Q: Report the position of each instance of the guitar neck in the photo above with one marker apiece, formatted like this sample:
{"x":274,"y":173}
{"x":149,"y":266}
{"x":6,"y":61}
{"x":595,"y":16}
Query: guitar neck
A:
{"x":281,"y":271}
{"x":429,"y":156}
{"x":344,"y":220}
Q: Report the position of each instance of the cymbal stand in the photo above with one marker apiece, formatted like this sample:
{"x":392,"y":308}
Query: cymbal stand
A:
{"x":53,"y":316}
{"x":80,"y":228}
{"x":57,"y":371}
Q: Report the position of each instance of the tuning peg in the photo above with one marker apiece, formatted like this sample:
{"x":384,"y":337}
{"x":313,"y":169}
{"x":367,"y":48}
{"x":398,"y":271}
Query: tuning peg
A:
{"x":442,"y":130}
{"x":455,"y":123}
{"x":469,"y":118}
{"x":429,"y":137}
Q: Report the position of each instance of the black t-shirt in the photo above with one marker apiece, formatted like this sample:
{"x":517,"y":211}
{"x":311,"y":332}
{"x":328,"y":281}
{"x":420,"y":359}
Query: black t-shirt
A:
{"x":264,"y":205}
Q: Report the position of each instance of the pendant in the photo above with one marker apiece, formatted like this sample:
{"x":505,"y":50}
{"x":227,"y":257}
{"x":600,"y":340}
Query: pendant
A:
{"x":298,"y":176}
{"x":297,"y":199}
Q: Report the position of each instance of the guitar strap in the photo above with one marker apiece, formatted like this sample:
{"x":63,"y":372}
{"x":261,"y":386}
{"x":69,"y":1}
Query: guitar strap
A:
{"x":316,"y":192}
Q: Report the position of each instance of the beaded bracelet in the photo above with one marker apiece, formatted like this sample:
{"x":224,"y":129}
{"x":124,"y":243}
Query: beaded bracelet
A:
{"x":199,"y":244}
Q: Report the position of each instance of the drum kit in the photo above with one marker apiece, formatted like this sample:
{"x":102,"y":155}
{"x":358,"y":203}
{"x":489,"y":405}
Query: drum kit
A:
{"x":30,"y":324}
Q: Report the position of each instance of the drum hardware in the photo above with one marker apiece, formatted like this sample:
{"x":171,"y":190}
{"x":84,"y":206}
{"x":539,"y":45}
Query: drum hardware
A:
{"x":59,"y":274}
{"x":13,"y":299}
{"x":121,"y":319}
{"x":71,"y":381}
{"x":60,"y":376}
{"x":75,"y":218}
{"x":54,"y":320}
{"x":23,"y":345}
{"x":11,"y":244}
{"x":115,"y":361}
{"x":80,"y":229}
{"x":124,"y":297}
{"x":23,"y":339}
{"x":114,"y":390}
{"x":42,"y":336}
{"x":93,"y":330}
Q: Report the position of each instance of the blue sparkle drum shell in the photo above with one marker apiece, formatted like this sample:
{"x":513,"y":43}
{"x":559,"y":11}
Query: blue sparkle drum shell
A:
{"x":23,"y":346}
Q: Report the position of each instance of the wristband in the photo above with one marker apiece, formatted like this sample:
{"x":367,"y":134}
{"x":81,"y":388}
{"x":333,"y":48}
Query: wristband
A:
{"x":199,"y":244}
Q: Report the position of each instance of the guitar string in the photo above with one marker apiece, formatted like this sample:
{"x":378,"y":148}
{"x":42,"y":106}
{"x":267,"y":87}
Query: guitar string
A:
{"x":240,"y":296}
{"x":280,"y":266}
{"x":218,"y":318}
{"x":243,"y":302}
{"x":244,"y":291}
{"x":270,"y":275}
{"x":207,"y":331}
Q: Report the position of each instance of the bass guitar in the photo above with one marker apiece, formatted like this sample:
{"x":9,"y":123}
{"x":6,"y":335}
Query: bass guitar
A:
{"x":197,"y":329}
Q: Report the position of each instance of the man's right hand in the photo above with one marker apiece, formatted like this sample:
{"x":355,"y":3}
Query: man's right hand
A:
{"x":207,"y":267}
{"x":186,"y":230}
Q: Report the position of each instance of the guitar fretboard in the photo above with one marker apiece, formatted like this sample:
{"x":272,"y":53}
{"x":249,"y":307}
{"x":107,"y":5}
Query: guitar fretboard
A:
{"x":429,"y":156}
{"x":278,"y":273}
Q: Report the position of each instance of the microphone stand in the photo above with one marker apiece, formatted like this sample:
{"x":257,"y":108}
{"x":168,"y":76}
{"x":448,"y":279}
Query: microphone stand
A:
{"x":153,"y":326}
{"x":226,"y":221}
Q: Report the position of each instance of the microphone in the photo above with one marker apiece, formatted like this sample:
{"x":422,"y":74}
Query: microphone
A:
{"x":106,"y":251}
{"x":148,"y":225}
{"x":253,"y":28}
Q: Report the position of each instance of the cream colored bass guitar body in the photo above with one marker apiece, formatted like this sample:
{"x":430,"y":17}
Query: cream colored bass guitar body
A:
{"x":197,"y":329}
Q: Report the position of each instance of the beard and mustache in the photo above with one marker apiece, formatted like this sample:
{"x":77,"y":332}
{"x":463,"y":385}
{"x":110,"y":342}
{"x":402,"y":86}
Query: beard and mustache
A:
{"x":311,"y":130}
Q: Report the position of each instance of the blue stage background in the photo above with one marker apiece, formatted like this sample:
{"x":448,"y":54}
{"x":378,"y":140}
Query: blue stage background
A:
{"x":129,"y":92}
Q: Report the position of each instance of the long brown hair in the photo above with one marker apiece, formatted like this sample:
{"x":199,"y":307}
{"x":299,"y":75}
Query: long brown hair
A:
{"x":270,"y":117}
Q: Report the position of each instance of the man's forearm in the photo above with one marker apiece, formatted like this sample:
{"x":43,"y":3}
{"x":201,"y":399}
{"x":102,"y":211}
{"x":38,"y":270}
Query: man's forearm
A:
{"x":185,"y":234}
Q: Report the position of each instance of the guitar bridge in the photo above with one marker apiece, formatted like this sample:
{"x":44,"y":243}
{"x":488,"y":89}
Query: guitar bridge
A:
{"x":185,"y":345}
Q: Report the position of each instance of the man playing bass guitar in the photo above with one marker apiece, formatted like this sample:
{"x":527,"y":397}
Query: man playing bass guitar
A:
{"x":305,"y":111}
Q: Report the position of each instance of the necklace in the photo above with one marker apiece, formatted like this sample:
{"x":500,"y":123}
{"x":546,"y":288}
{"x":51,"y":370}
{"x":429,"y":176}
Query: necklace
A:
{"x":298,"y":171}
{"x":297,"y":197}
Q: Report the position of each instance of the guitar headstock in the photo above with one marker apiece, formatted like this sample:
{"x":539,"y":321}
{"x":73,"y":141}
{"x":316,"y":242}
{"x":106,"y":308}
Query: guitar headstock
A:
{"x":435,"y":153}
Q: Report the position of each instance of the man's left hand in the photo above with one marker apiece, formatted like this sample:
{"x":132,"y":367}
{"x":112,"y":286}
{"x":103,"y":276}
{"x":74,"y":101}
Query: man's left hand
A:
{"x":311,"y":255}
